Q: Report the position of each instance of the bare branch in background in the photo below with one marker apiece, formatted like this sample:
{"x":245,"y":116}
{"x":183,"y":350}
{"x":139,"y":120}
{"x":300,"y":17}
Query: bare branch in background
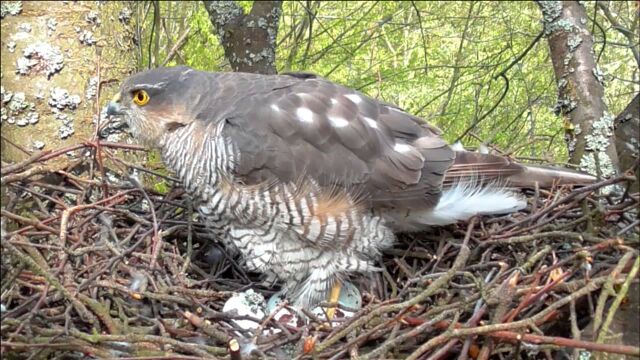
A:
{"x":298,"y":29}
{"x":313,"y":8}
{"x":370,"y":34}
{"x":521,"y":56}
{"x":484,"y":116}
{"x":336,"y":41}
{"x":176,"y":47}
{"x":456,"y":70}
{"x":627,"y":33}
{"x":155,"y":35}
{"x":424,"y":41}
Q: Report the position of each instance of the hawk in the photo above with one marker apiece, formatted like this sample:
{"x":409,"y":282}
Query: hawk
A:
{"x":310,"y":180}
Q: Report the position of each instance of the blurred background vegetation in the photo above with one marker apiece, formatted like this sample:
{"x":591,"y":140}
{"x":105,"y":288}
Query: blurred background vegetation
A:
{"x":438,"y":60}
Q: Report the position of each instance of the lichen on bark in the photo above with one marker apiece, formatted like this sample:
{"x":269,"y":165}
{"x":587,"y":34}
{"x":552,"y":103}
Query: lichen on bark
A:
{"x":588,"y":124}
{"x":45,"y":59}
{"x":249,"y":40}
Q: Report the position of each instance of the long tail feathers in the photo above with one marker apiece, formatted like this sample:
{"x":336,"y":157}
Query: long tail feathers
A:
{"x":479,"y":183}
{"x":547,"y":177}
{"x":483,"y":167}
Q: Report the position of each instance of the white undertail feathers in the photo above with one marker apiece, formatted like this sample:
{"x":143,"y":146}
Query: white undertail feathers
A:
{"x":459,"y":203}
{"x":466,"y":199}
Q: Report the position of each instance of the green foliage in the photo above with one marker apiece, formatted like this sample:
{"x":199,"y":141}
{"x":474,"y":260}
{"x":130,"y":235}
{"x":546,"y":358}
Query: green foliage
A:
{"x":154,"y":161}
{"x":438,"y":60}
{"x":161,"y":187}
{"x":430,"y":73}
{"x":203,"y":49}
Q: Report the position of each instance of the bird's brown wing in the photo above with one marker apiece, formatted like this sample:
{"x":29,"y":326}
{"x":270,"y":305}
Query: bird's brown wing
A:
{"x":295,"y":126}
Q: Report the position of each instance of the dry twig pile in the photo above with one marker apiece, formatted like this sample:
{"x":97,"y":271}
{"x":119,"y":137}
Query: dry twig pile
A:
{"x":96,"y":265}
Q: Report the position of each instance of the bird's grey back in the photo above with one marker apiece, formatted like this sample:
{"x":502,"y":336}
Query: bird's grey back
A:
{"x":289,"y":127}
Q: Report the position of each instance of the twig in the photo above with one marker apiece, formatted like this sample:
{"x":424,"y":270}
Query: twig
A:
{"x":618,"y":300}
{"x":177,"y":46}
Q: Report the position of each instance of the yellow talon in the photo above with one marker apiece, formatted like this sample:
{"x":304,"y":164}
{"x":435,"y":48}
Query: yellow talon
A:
{"x":333,"y":299}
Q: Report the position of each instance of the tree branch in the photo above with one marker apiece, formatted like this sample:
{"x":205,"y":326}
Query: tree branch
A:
{"x":177,"y":46}
{"x":248,"y":40}
{"x":630,"y":35}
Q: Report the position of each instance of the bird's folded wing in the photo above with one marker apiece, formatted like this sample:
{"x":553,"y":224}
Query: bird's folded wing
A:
{"x":304,"y":127}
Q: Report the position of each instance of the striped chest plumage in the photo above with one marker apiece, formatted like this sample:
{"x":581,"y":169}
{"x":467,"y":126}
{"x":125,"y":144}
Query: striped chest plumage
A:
{"x":293,"y":230}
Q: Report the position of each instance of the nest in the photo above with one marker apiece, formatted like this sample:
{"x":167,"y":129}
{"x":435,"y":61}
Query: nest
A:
{"x":94,"y":264}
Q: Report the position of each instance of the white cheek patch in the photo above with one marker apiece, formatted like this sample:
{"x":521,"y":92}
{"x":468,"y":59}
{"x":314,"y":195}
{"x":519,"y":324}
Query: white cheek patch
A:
{"x":337,"y":121}
{"x":355,"y":98}
{"x":372,"y":123}
{"x":304,"y":115}
{"x":401,"y":148}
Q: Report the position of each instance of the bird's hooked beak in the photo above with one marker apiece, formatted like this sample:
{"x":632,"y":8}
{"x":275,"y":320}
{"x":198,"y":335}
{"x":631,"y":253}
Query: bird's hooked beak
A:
{"x":114,"y":125}
{"x":113,"y":109}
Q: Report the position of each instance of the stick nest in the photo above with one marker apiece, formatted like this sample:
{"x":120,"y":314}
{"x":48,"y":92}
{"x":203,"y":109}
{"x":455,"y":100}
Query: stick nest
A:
{"x":95,"y":264}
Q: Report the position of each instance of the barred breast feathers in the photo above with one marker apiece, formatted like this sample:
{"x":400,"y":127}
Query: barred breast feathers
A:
{"x":204,"y":161}
{"x":325,"y":218}
{"x":198,"y":154}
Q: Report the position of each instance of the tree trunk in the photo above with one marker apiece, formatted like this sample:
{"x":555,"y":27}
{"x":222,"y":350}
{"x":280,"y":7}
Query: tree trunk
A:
{"x":51,"y":55}
{"x":627,"y":132}
{"x":588,"y":124}
{"x":249,"y":40}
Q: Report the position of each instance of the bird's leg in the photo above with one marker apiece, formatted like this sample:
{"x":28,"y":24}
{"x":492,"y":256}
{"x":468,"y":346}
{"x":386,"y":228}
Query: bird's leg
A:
{"x":333,"y":299}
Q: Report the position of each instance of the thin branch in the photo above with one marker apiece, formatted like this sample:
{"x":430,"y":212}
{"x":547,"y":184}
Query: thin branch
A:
{"x":424,"y":42}
{"x":477,"y":122}
{"x":631,"y":36}
{"x":177,"y":46}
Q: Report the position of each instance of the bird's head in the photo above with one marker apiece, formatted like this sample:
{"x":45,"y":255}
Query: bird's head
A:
{"x":156,"y":102}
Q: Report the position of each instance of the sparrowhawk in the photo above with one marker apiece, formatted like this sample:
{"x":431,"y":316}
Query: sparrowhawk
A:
{"x":309,"y":179}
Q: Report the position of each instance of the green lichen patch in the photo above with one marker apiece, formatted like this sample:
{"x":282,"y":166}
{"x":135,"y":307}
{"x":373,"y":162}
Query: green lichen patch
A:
{"x":11,"y":8}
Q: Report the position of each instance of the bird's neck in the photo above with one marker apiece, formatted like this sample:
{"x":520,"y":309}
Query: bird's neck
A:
{"x":200,"y":156}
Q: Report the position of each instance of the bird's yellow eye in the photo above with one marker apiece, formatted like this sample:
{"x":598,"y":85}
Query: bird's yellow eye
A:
{"x":140,"y":97}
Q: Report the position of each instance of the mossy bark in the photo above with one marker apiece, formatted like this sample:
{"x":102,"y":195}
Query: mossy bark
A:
{"x":61,"y":26}
{"x":588,"y":124}
{"x":249,"y":40}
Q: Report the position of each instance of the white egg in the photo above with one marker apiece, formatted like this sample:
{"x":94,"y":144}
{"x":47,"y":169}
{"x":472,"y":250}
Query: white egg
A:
{"x":246,"y":303}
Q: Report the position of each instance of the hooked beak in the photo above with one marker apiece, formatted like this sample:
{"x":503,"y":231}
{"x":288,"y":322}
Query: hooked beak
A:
{"x":113,"y":108}
{"x":113,"y":126}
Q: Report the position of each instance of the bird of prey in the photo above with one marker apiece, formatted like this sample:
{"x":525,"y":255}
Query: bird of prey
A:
{"x":310,"y":180}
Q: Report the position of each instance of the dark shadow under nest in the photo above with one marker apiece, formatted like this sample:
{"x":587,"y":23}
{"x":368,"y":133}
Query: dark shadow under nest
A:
{"x":90,"y":271}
